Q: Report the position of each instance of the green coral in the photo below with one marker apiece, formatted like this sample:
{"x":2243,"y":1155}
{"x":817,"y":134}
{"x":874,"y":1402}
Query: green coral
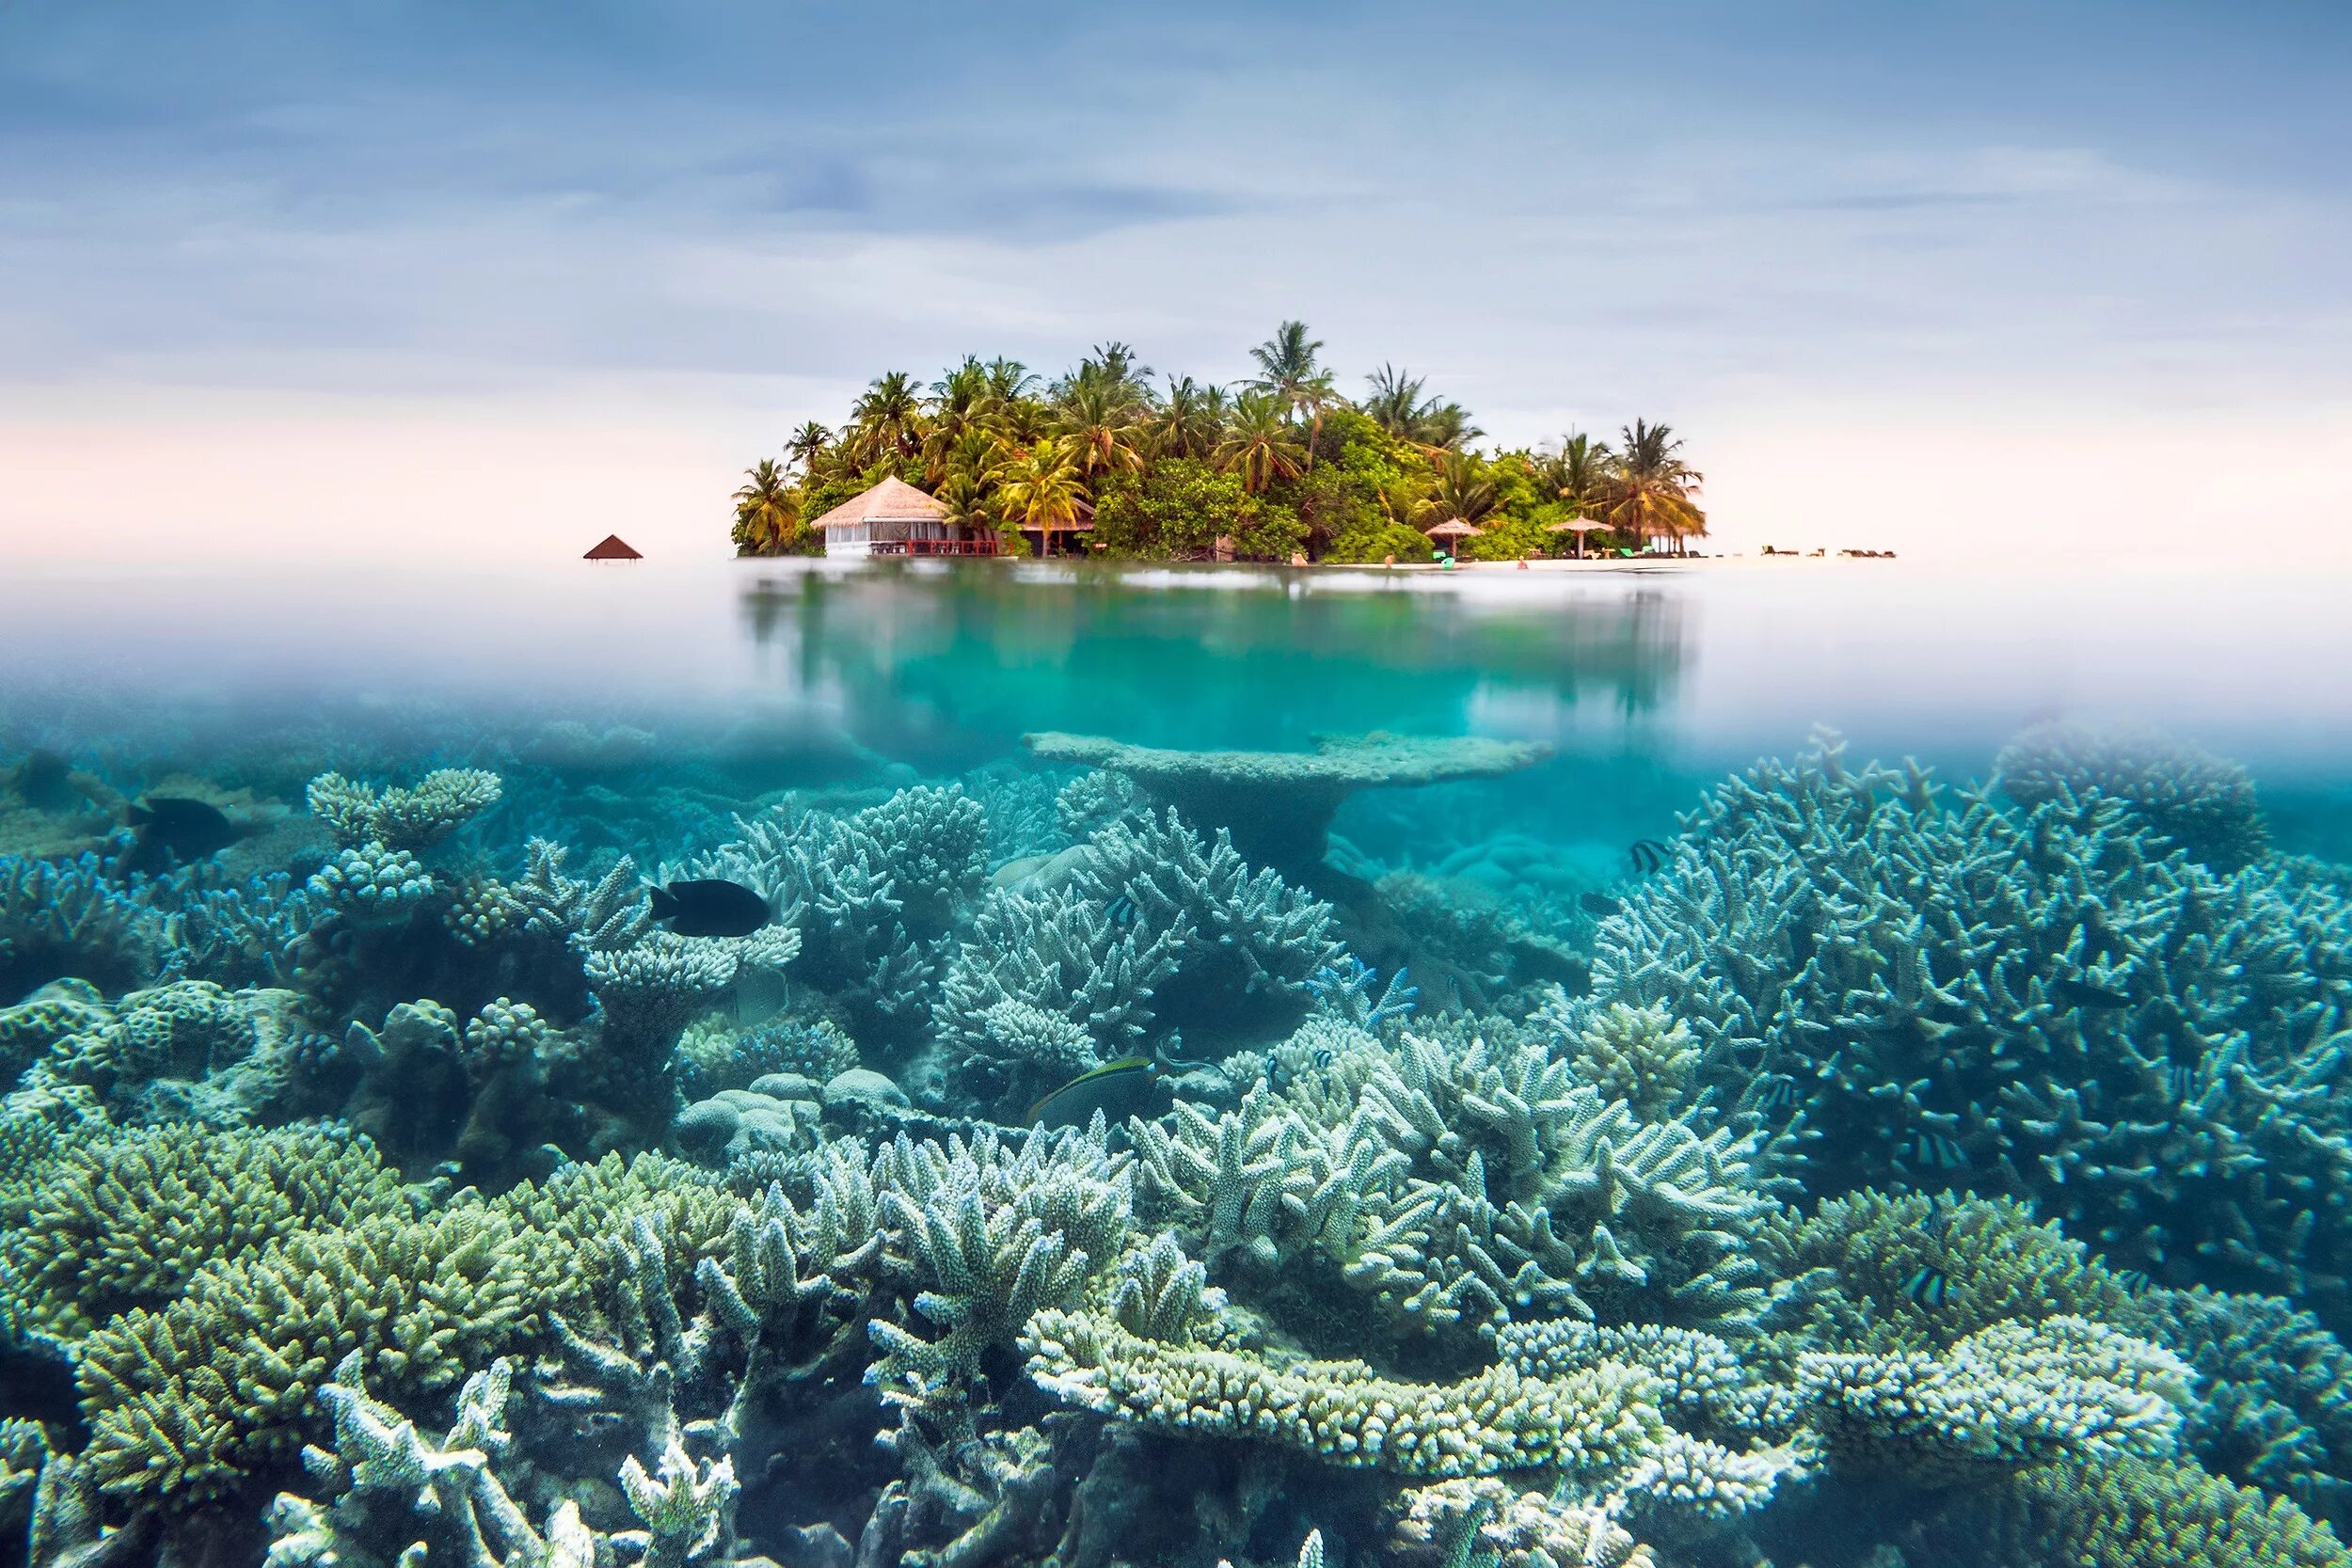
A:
{"x":2129,"y":1513}
{"x":128,"y":1221}
{"x":187,"y":1401}
{"x":1593,"y":1424}
{"x":1857,"y":1261}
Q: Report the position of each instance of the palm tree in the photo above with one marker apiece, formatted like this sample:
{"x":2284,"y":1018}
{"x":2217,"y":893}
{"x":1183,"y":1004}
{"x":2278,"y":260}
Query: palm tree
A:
{"x":1258,"y":443}
{"x":807,"y":444}
{"x":1187,"y":421}
{"x":887,"y":421}
{"x":1444,"y":428}
{"x":1577,"y":472}
{"x":1648,"y":489}
{"x":1459,"y":492}
{"x":1098,"y":417}
{"x":1040,"y":489}
{"x":1396,"y":403}
{"x":960,"y":404}
{"x":1288,"y":370}
{"x":1009,"y":380}
{"x":767,"y":514}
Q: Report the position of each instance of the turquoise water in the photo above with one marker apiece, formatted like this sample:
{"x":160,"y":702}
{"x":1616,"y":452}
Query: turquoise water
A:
{"x":1810,"y":1062}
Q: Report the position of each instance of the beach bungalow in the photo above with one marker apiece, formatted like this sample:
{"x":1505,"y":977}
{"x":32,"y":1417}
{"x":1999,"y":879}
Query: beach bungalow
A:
{"x":896,"y":518}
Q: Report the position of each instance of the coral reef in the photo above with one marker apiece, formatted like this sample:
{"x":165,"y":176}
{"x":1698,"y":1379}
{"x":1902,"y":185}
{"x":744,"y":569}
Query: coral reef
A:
{"x":1817,"y":1227}
{"x":2186,"y":797}
{"x":2050,"y":998}
{"x":1278,"y":805}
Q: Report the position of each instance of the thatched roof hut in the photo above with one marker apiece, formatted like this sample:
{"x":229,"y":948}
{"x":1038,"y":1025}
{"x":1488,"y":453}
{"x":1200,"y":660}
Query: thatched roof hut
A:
{"x":613,"y":547}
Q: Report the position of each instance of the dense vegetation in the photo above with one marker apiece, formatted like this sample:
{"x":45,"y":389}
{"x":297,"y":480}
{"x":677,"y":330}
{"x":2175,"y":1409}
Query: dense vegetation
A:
{"x":1278,"y":464}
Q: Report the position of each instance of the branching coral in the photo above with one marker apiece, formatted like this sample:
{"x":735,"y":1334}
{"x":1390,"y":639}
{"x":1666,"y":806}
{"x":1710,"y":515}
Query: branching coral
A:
{"x":129,"y":1221}
{"x":2131,"y":1513}
{"x":60,"y":919}
{"x":2152,"y":1052}
{"x":2186,"y":795}
{"x":1155,"y":934}
{"x":1469,"y":1187}
{"x":414,"y":818}
{"x":1590,"y":1424}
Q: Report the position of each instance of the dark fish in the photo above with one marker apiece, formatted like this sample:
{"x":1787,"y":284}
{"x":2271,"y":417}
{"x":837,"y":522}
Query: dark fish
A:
{"x":1933,"y":1151}
{"x":2082,"y":993}
{"x":1647,"y":855}
{"x":710,"y":908}
{"x":1928,"y":1284}
{"x":1777,"y":1094}
{"x":44,"y":780}
{"x":2134,"y":1282}
{"x":2181,"y":1078}
{"x":1114,"y":1084}
{"x":1597,"y":903}
{"x":1121,"y":911}
{"x":1323,"y":1056}
{"x":184,"y":829}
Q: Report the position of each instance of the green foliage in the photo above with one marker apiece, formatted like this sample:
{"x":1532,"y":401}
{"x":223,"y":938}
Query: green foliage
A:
{"x":1347,"y":481}
{"x":1179,"y":507}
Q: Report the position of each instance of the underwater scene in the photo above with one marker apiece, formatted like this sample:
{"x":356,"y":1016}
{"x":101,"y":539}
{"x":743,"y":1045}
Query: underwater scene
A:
{"x":959,"y":1064}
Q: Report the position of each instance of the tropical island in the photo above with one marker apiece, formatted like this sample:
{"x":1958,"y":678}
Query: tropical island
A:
{"x":1111,"y":459}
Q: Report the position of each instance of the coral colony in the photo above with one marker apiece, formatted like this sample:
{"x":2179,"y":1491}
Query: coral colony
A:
{"x":1097,"y":1163}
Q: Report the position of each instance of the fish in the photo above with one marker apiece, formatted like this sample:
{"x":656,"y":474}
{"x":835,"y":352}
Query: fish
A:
{"x":711,"y":908}
{"x":1933,"y":1150}
{"x":1928,"y":1284}
{"x":1647,"y":855}
{"x":1597,"y":903}
{"x":1121,"y":911}
{"x":2083,"y":994}
{"x":1777,"y":1094}
{"x":2134,"y":1282}
{"x":1323,"y":1056}
{"x":181,"y":829}
{"x":1096,"y":1089}
{"x":2180,"y":1079}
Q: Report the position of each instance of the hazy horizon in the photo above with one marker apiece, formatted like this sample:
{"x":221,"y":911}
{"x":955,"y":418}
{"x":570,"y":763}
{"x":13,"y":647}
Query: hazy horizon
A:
{"x":410,"y":278}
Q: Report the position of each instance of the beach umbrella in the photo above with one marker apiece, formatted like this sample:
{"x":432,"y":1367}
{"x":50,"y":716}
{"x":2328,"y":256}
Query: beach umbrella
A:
{"x":1577,"y":526}
{"x":1454,"y":528}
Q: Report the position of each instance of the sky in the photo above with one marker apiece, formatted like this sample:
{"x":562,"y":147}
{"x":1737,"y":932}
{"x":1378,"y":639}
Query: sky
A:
{"x":280,"y":279}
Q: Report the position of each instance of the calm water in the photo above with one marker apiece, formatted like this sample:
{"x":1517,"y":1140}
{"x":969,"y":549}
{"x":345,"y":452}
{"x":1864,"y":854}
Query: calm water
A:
{"x":1865,"y":1035}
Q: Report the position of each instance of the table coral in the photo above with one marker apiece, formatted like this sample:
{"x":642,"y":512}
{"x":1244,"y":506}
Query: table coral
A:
{"x":1279,"y":805}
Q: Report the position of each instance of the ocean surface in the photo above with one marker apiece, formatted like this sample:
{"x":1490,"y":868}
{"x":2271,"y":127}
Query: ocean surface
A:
{"x":1827,"y":1062}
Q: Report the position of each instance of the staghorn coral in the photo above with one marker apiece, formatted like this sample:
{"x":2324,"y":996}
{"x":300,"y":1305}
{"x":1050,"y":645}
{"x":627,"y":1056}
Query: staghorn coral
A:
{"x":128,"y":1220}
{"x":2150,"y":1052}
{"x":979,"y":1239}
{"x":1153,"y":935}
{"x":415,"y":817}
{"x":68,"y":919}
{"x":187,"y":1401}
{"x":2187,"y":796}
{"x":590,"y":917}
{"x":2274,"y":1392}
{"x":1468,"y":1187}
{"x":1642,"y":1055}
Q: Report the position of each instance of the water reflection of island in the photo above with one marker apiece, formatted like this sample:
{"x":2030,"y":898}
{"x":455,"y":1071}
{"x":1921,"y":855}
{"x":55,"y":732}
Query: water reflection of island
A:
{"x":946,"y":667}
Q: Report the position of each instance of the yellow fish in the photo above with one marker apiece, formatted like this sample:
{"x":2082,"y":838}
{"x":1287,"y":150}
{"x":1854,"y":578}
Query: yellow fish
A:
{"x":1084,"y":1092}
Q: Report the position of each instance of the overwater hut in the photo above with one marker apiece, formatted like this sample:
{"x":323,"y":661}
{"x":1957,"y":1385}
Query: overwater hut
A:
{"x":613,"y":547}
{"x":896,"y":518}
